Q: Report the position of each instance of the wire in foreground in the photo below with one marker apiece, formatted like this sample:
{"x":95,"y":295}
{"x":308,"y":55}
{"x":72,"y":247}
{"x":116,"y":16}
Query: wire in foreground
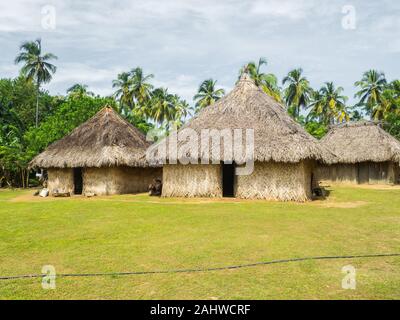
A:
{"x":240,"y":266}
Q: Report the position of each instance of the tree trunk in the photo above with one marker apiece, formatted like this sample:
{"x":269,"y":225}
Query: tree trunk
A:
{"x":23,"y":178}
{"x":37,"y":105}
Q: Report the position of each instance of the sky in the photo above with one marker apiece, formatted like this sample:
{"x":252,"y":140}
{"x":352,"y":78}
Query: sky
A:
{"x":183,"y":42}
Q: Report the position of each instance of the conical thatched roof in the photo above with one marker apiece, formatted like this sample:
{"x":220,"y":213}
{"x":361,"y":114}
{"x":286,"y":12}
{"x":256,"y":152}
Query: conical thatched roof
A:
{"x":104,"y":140}
{"x":277,"y":137}
{"x":361,"y":141}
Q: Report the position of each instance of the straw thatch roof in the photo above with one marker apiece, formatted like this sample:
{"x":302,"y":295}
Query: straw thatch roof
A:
{"x":277,"y":137}
{"x":104,"y":140}
{"x":361,"y":141}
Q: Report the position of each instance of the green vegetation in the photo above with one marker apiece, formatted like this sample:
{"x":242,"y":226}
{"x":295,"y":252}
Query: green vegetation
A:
{"x":36,"y":66}
{"x":328,"y":105}
{"x":207,"y":94}
{"x":138,"y":97}
{"x":268,"y":82}
{"x":297,"y":93}
{"x":372,"y":85}
{"x":135,"y":233}
{"x":31,"y":118}
{"x":26,"y":131}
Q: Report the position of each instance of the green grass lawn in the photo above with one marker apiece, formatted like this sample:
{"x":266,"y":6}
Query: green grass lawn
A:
{"x":139,"y":233}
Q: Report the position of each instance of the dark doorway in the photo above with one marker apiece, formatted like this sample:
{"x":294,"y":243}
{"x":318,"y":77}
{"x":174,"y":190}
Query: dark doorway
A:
{"x":78,"y":181}
{"x":312,"y":181}
{"x":363,"y":173}
{"x":228,"y":180}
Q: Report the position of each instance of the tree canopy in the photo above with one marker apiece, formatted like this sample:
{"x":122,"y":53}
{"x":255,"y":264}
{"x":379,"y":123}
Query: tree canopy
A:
{"x":137,"y":99}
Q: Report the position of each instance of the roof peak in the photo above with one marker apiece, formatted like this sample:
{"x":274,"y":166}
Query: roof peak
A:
{"x":245,"y":77}
{"x":277,"y":137}
{"x":107,"y":108}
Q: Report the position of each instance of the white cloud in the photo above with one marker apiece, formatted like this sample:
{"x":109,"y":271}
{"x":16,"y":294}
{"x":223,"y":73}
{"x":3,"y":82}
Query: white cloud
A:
{"x":9,"y":70}
{"x":18,"y":16}
{"x":184,"y":42}
{"x":390,"y":23}
{"x":281,"y":8}
{"x":186,"y":85}
{"x":79,"y":72}
{"x":98,"y":79}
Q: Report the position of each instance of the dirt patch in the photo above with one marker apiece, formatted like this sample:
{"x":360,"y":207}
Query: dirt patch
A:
{"x":143,"y":198}
{"x":135,"y":198}
{"x":344,"y":205}
{"x":362,"y":186}
{"x":379,"y":187}
{"x":31,"y":198}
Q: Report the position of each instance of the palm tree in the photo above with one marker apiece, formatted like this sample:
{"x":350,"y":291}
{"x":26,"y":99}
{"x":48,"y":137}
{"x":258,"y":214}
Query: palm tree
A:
{"x":390,"y":102}
{"x":266,"y":81}
{"x":133,"y":91}
{"x":123,"y":85}
{"x":395,"y":86}
{"x":36,"y":66}
{"x":141,"y":88}
{"x":297,"y":93}
{"x":162,"y":109}
{"x":79,"y":90}
{"x":316,"y":105}
{"x":207,"y":94}
{"x":372,"y":85}
{"x":329,"y":105}
{"x":180,"y":112}
{"x":385,"y":107}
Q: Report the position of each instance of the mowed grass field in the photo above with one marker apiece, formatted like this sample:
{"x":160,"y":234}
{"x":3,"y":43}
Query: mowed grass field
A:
{"x":141,"y":233}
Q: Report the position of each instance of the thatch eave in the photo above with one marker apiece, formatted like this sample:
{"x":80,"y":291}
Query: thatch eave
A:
{"x":105,"y":140}
{"x":362,"y":141}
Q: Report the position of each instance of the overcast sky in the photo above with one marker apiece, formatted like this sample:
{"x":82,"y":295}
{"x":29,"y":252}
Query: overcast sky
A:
{"x":183,"y":42}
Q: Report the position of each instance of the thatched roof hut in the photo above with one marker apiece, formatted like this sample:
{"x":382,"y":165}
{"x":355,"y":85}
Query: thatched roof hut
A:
{"x":103,"y":155}
{"x":283,"y":150}
{"x":366,"y":154}
{"x":105,"y":140}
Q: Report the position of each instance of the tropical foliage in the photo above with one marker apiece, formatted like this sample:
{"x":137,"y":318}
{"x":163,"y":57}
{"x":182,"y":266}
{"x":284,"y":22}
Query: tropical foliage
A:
{"x":328,"y":105}
{"x":36,"y":66}
{"x":137,"y":97}
{"x":22,"y":135}
{"x":372,"y":85}
{"x":31,"y":118}
{"x":79,"y":90}
{"x":268,"y":82}
{"x":297,"y":93}
{"x":207,"y":94}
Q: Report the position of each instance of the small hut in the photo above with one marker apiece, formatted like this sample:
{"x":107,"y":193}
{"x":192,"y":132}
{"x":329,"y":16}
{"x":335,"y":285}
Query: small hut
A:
{"x":366,"y":155}
{"x":105,"y":155}
{"x":284,"y":153}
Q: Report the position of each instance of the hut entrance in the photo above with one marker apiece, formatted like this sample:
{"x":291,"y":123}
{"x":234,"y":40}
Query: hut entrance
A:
{"x":363,"y":173}
{"x":396,"y":170}
{"x":228,"y":180}
{"x":78,"y":181}
{"x":373,"y":172}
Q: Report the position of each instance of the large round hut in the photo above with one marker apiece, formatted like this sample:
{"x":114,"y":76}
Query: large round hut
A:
{"x":284,"y":154}
{"x":366,"y":154}
{"x":105,"y":155}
